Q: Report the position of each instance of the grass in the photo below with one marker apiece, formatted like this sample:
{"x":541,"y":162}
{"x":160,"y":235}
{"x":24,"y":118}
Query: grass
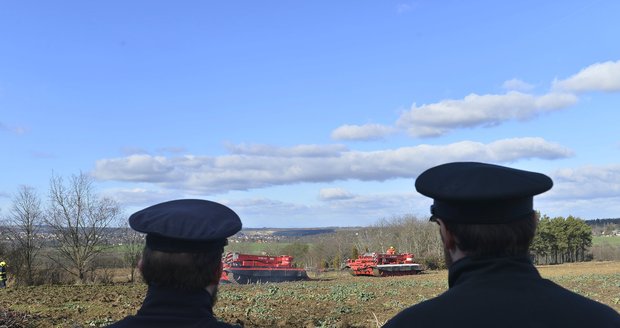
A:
{"x":601,"y":241}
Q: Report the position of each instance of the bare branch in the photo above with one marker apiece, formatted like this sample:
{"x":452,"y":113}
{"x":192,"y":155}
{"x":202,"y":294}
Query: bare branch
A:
{"x":79,"y":219}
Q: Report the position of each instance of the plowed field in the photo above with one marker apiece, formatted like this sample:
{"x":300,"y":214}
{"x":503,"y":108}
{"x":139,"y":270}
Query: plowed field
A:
{"x":335,"y":300}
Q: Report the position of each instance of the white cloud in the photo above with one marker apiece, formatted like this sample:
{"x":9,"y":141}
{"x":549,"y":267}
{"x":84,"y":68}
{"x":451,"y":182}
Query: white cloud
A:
{"x":328,"y":194}
{"x":596,"y":77}
{"x":517,"y":85}
{"x":575,"y":192}
{"x":436,"y":119}
{"x":204,"y":174}
{"x":137,"y":168}
{"x":479,"y":110}
{"x":508,"y":150}
{"x":587,"y":182}
{"x":362,"y":132}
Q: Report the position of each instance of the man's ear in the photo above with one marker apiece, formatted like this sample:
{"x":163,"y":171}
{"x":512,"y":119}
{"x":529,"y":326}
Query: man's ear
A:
{"x":446,"y":236}
{"x":220,"y":269}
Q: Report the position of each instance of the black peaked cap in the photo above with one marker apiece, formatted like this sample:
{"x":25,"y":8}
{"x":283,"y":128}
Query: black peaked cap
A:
{"x":186,"y":225}
{"x":480,"y":193}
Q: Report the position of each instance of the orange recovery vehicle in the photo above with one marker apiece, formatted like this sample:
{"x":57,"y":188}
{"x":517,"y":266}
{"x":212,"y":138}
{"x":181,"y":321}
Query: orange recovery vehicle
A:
{"x":383,"y":264}
{"x":249,"y":269}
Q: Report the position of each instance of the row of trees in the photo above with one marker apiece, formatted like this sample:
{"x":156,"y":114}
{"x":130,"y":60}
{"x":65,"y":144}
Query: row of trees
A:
{"x":76,"y":222}
{"x":560,"y":240}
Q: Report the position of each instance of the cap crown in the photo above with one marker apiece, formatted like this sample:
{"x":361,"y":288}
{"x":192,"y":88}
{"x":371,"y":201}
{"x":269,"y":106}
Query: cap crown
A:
{"x":186,"y":224}
{"x":472,"y":192}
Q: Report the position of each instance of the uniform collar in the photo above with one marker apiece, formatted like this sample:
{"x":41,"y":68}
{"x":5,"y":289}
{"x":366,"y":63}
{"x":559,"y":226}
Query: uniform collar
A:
{"x":470,"y":269}
{"x":188,"y":303}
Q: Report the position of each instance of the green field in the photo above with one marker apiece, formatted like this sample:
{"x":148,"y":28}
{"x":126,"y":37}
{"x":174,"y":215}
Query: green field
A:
{"x":600,"y":241}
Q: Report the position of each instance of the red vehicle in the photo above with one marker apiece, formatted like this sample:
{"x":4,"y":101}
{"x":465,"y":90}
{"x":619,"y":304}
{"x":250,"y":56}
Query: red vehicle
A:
{"x":248,"y":269}
{"x":382,"y":264}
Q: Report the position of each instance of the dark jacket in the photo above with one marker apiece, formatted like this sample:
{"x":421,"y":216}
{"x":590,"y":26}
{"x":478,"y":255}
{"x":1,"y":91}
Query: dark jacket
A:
{"x":504,"y":292}
{"x":164,"y":307}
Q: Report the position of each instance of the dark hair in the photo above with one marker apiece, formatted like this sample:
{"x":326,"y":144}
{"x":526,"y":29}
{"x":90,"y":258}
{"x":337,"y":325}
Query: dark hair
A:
{"x":182,"y":270}
{"x":485,"y":240}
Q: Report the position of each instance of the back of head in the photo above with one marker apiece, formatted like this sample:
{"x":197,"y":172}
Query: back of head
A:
{"x":488,"y":208}
{"x":184,"y":242}
{"x":495,"y":240}
{"x":181,"y":270}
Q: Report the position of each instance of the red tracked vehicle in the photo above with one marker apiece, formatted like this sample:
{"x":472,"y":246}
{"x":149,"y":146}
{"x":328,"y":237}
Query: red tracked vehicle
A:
{"x":383,"y":265}
{"x":251,"y":269}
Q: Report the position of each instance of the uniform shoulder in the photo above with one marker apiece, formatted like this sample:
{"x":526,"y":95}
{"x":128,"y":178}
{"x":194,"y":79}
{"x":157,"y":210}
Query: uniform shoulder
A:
{"x":423,"y":314}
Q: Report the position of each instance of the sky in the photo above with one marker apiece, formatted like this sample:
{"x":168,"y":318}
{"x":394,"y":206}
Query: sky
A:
{"x":309,"y":113}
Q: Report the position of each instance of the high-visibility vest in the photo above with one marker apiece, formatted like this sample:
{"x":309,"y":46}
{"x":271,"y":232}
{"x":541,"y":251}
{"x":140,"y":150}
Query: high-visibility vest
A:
{"x":2,"y":274}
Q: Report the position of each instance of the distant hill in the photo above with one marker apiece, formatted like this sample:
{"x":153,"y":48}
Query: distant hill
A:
{"x":302,"y":232}
{"x":287,"y":232}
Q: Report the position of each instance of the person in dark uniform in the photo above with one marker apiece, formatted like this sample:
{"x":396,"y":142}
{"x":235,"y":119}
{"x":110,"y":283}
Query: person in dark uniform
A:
{"x":487,"y":223}
{"x":181,"y":262}
{"x":2,"y":274}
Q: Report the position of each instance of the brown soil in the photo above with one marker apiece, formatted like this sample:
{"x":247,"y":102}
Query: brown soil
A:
{"x":329,"y":300}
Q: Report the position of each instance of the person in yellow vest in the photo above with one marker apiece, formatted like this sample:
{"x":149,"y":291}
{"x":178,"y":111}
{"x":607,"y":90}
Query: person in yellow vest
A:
{"x":391,"y":250}
{"x":2,"y":274}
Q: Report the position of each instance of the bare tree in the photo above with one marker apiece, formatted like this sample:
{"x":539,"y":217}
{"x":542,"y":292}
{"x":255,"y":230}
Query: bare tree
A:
{"x":133,"y":244}
{"x":79,"y":219}
{"x":24,"y":221}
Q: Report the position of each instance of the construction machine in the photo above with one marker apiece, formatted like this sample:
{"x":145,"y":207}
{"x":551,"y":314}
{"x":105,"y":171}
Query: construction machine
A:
{"x":383,"y":264}
{"x":247,"y":269}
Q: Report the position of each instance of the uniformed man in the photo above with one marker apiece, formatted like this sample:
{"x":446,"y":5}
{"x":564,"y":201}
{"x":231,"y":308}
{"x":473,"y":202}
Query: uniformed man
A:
{"x":487,"y":223}
{"x":2,"y":274}
{"x":181,"y":262}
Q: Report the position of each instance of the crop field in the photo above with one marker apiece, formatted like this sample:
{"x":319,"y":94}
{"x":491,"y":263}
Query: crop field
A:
{"x":331,"y":299}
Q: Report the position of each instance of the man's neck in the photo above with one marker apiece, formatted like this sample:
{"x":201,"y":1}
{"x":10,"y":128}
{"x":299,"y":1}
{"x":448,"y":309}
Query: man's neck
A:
{"x":456,"y":254}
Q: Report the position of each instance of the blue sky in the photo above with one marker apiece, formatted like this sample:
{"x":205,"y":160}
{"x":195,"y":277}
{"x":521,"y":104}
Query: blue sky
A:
{"x":315,"y":113}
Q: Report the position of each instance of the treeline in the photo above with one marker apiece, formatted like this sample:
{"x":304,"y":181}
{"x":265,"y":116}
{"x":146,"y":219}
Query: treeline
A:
{"x":560,"y":240}
{"x":603,"y":222}
{"x":73,"y":246}
{"x":557,"y":240}
{"x":605,"y":227}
